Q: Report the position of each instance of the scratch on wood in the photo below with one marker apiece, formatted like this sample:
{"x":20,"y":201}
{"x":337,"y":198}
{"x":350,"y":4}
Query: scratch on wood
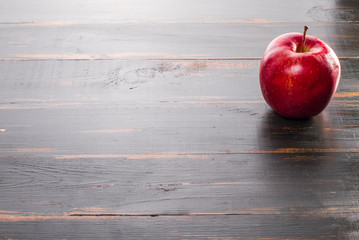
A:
{"x":100,"y":213}
{"x":102,"y":186}
{"x":216,"y":183}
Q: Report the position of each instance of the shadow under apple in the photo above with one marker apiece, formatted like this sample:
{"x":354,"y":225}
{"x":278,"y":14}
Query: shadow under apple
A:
{"x":295,"y":148}
{"x":301,"y":172}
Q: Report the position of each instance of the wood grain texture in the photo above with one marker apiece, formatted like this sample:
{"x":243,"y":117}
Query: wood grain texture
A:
{"x":152,"y":138}
{"x":74,"y":41}
{"x":116,"y":124}
{"x":194,"y":227}
{"x":16,"y":11}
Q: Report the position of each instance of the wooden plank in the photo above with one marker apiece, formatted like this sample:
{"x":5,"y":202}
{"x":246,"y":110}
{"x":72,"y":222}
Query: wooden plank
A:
{"x":171,"y":10}
{"x":186,"y":227}
{"x":161,"y":41}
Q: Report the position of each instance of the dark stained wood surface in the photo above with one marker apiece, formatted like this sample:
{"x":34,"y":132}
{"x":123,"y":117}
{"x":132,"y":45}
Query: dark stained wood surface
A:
{"x":144,"y":120}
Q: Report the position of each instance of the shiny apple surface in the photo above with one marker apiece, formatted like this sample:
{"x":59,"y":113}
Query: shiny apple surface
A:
{"x":299,"y":81}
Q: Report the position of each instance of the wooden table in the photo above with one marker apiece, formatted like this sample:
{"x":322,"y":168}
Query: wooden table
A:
{"x":144,"y":120}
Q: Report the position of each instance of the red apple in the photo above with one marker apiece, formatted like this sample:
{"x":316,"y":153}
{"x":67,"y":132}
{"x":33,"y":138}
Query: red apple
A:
{"x":299,"y":75}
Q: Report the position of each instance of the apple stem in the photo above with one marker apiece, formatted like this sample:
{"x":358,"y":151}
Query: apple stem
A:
{"x":305,"y":32}
{"x":301,"y":48}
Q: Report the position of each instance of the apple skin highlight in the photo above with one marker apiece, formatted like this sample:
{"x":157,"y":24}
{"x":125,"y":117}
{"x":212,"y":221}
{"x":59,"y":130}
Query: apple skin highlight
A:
{"x":299,"y":81}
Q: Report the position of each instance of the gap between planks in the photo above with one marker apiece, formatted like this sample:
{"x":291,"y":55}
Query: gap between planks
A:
{"x":89,"y":216}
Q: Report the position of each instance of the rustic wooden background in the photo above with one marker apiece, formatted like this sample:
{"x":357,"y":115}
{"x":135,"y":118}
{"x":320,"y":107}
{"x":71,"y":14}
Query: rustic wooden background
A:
{"x":136,"y":119}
